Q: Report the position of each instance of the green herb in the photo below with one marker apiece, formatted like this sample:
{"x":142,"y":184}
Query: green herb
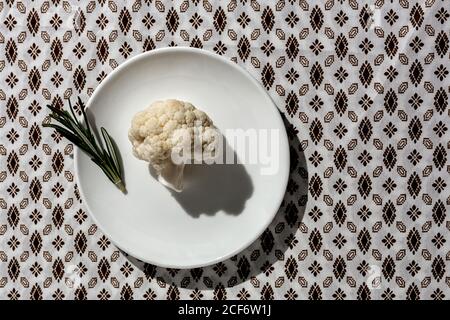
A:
{"x":83,"y":136}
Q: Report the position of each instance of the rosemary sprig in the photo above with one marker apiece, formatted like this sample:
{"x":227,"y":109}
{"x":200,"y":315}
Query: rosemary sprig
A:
{"x":82,"y":136}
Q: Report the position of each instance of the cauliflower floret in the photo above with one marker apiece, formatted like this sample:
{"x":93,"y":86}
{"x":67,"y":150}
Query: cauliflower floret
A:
{"x":163,"y":130}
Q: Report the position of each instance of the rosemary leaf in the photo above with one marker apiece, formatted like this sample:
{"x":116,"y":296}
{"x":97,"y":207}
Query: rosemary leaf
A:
{"x":112,"y":150}
{"x":82,"y":136}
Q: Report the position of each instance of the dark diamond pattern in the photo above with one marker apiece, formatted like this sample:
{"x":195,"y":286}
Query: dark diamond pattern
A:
{"x":413,"y":240}
{"x":438,"y":268}
{"x":33,"y":21}
{"x":35,"y":135}
{"x":35,"y":189}
{"x":316,"y":18}
{"x":102,"y":50}
{"x":439,"y":212}
{"x":125,"y":20}
{"x":291,"y":268}
{"x":13,"y":163}
{"x":365,"y":17}
{"x":58,"y":216}
{"x":80,"y":242}
{"x":58,"y":269}
{"x":268,"y":76}
{"x":388,"y":268}
{"x":389,"y":157}
{"x":340,"y":213}
{"x":244,"y":48}
{"x":36,"y":242}
{"x":34,"y":79}
{"x":416,"y":16}
{"x":268,"y":19}
{"x":292,"y":103}
{"x":11,"y":51}
{"x":390,"y":101}
{"x":341,"y":46}
{"x":365,"y":130}
{"x":416,"y":73}
{"x":292,"y":48}
{"x":315,"y":241}
{"x":391,"y":45}
{"x":13,"y":216}
{"x":442,"y":44}
{"x":13,"y":269}
{"x":316,"y":75}
{"x":364,"y":240}
{"x":220,"y":20}
{"x":172,"y":20}
{"x":79,"y":78}
{"x":340,"y":158}
{"x":339,"y":268}
{"x":366,"y":74}
{"x":389,"y":213}
{"x":104,"y":269}
{"x":56,"y":50}
{"x":441,"y":100}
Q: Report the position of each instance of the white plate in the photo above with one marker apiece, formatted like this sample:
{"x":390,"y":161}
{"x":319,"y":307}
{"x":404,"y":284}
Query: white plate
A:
{"x":224,"y":208}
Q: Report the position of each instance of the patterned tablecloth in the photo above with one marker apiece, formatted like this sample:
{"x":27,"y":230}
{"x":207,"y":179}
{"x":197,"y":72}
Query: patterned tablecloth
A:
{"x":364,"y":86}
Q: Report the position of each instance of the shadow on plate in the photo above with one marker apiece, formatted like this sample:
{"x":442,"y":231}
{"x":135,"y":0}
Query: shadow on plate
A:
{"x":260,"y":256}
{"x":209,"y":189}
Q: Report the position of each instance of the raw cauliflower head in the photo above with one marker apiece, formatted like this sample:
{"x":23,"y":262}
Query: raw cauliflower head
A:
{"x":161,"y":130}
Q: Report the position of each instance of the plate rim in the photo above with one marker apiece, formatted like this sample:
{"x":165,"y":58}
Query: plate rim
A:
{"x":285,"y":169}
